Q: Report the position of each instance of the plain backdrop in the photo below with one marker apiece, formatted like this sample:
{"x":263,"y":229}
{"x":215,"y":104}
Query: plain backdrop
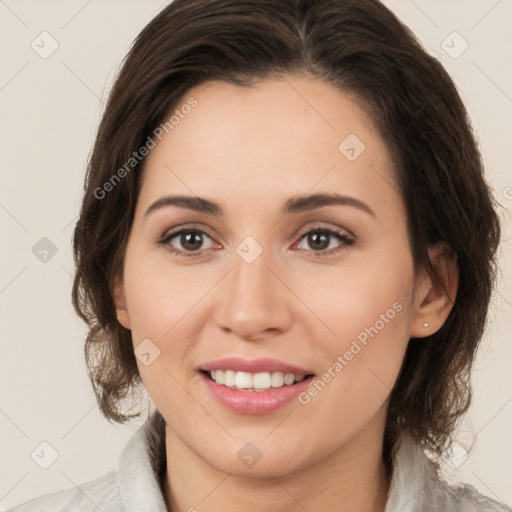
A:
{"x":50,"y":106}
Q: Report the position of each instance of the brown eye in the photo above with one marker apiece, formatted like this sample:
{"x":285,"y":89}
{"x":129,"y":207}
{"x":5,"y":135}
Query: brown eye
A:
{"x":186,"y":240}
{"x":191,"y":241}
{"x":319,"y":240}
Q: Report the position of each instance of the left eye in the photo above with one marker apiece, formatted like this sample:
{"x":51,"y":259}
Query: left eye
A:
{"x":320,"y":240}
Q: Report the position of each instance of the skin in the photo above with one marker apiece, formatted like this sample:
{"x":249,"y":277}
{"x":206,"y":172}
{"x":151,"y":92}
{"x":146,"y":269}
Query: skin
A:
{"x":250,"y":149}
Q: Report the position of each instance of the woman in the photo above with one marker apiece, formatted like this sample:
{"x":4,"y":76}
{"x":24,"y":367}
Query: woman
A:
{"x":287,"y":239}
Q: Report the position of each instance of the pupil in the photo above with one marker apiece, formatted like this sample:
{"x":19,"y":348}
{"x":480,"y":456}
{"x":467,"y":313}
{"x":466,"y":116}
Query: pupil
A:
{"x":319,"y":240}
{"x":192,"y":238}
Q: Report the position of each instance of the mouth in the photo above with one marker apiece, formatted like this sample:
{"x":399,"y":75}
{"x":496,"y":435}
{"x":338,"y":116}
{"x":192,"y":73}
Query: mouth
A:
{"x":259,"y":386}
{"x":257,"y":382}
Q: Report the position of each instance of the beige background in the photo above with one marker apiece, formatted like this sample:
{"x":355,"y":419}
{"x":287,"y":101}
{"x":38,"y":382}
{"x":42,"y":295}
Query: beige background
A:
{"x":49,"y":111}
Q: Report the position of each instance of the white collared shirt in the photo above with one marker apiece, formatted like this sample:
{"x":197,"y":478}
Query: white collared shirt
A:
{"x":135,"y":486}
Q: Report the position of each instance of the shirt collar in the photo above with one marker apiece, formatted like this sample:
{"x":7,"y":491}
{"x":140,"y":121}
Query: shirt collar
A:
{"x":142,"y":467}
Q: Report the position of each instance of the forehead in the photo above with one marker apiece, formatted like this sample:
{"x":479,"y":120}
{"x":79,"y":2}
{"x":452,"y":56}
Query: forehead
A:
{"x":268,"y":141}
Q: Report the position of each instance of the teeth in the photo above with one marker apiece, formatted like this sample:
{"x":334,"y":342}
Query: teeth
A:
{"x":243,"y":380}
{"x":254,"y":381}
{"x":289,"y":379}
{"x":262,"y":380}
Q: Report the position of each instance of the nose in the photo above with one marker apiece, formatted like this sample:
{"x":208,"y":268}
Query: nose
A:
{"x":255,"y":304}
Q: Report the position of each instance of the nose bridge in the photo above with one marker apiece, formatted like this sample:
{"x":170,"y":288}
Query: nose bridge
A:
{"x":254,"y":300}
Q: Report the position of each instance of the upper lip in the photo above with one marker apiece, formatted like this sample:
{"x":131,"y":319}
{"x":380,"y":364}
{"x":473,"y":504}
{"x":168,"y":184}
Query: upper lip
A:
{"x":254,"y":366}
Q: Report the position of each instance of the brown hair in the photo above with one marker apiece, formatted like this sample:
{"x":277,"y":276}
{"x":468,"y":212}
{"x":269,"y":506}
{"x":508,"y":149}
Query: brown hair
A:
{"x":362,"y":48}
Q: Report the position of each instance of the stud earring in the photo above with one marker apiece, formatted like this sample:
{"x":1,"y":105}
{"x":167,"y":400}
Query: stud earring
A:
{"x":426,"y":324}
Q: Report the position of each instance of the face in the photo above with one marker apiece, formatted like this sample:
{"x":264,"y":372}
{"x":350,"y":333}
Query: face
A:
{"x":271,"y":281}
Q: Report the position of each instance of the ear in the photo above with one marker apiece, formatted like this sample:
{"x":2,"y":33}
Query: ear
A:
{"x":431,"y":303}
{"x":120,"y":302}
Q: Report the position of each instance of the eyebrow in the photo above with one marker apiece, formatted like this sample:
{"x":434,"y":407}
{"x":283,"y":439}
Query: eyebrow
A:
{"x":293,"y":205}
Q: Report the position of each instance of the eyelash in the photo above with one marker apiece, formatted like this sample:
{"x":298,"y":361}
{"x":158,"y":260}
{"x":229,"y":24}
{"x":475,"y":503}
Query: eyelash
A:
{"x":342,"y":237}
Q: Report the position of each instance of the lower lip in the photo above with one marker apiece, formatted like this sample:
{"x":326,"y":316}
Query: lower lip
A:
{"x":254,"y":402}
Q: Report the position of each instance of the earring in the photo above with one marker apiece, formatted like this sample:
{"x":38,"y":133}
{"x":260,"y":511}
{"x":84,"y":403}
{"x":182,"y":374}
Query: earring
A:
{"x":426,"y":324}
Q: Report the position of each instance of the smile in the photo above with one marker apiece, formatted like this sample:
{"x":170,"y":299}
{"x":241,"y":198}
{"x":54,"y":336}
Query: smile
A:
{"x":254,"y":381}
{"x":258,"y":386}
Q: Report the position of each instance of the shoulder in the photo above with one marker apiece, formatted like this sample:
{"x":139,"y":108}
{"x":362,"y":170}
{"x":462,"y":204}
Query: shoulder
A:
{"x":98,"y":494}
{"x":463,"y":497}
{"x":134,"y":485}
{"x":417,"y":486}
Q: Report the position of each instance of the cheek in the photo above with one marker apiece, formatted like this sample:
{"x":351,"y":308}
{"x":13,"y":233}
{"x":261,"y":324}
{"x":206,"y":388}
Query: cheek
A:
{"x":367,"y":309}
{"x":360,"y":364}
{"x":161,"y":309}
{"x":160,"y":298}
{"x":351,"y":299}
{"x":166,"y":307}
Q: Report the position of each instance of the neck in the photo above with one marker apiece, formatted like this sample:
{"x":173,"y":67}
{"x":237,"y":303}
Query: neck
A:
{"x":354,"y":477}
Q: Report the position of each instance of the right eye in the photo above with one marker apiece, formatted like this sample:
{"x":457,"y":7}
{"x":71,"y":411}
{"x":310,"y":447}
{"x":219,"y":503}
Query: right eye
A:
{"x":191,"y":241}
